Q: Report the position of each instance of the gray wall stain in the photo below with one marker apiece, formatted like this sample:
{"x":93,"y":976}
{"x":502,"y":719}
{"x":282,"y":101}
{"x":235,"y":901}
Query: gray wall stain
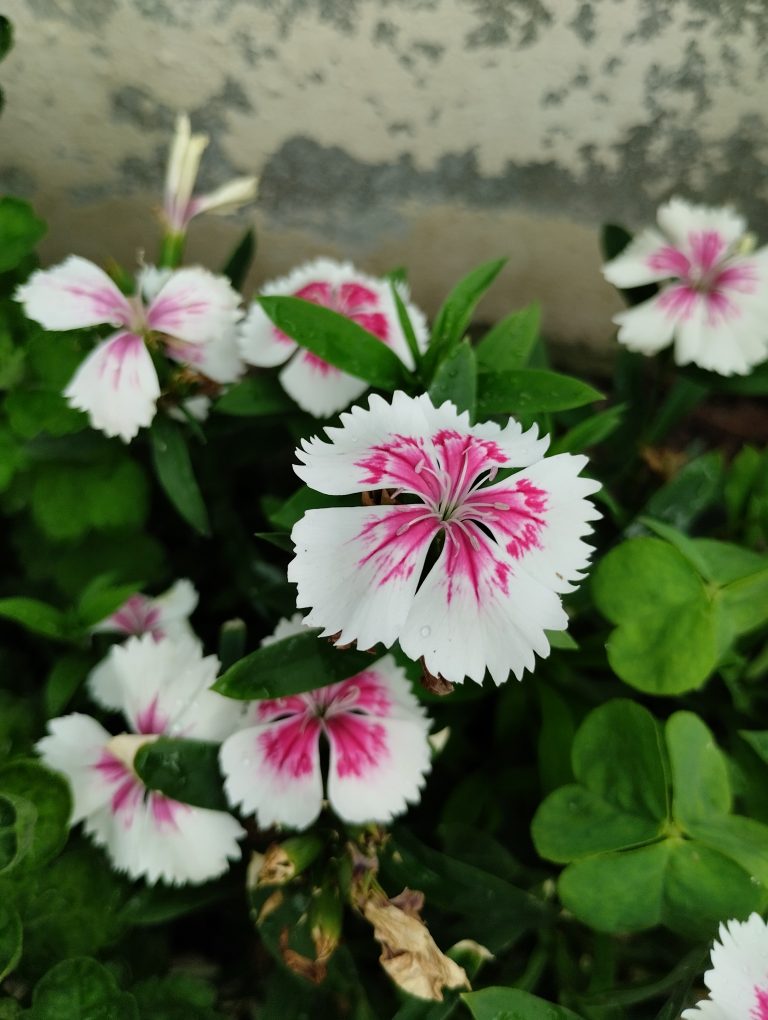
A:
{"x":507,"y":22}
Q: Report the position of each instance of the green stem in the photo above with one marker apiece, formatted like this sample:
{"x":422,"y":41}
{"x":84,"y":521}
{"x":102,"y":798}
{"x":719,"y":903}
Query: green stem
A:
{"x":172,"y":250}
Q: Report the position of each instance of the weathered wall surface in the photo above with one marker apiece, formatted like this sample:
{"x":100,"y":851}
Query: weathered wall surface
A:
{"x":435,"y":133}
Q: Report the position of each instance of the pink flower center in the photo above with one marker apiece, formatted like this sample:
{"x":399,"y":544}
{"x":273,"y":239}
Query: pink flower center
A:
{"x":138,"y":615}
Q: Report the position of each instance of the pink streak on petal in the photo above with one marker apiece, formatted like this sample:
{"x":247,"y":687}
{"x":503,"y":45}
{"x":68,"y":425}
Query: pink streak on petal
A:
{"x":117,"y":367}
{"x":669,"y":260}
{"x":353,"y":296}
{"x":474,"y":564}
{"x":111,"y":768}
{"x":515,"y":516}
{"x":292,"y":705}
{"x":742,"y":277}
{"x":323,"y":368}
{"x":402,"y":462}
{"x":319,"y":292}
{"x":760,"y":1010}
{"x":719,"y":308}
{"x":364,"y":692}
{"x":129,"y":790}
{"x":392,"y":543}
{"x":169,"y":312}
{"x":291,"y":747}
{"x":679,"y":301}
{"x":138,"y":615}
{"x":165,"y":811}
{"x":464,"y":458}
{"x":375,"y":322}
{"x":707,"y":246}
{"x":150,"y":719}
{"x":360,"y":744}
{"x":106,"y":303}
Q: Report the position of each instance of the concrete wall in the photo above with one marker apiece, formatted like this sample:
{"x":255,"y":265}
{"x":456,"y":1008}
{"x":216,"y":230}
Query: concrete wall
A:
{"x":432,"y":133}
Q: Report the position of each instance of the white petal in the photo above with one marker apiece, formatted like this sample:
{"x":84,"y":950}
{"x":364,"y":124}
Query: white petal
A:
{"x":646,"y":328}
{"x":391,"y":445}
{"x":286,"y":627}
{"x":379,"y":759}
{"x":273,"y":771}
{"x":117,"y":386}
{"x":639,"y":262}
{"x":217,"y":358}
{"x":729,"y":345}
{"x":150,"y":280}
{"x":159,"y":839}
{"x":679,"y":219}
{"x":227,"y":198}
{"x":357,"y":568}
{"x":74,"y":745}
{"x":183,"y":164}
{"x":137,"y":615}
{"x":72,"y":295}
{"x":198,"y":407}
{"x":195,"y":306}
{"x":175,"y":606}
{"x":317,"y":387}
{"x":261,"y":343}
{"x":739,"y":970}
{"x":163,"y":687}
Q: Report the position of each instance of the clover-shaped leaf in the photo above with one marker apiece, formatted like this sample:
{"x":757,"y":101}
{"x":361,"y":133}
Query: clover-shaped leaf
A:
{"x":651,"y":811}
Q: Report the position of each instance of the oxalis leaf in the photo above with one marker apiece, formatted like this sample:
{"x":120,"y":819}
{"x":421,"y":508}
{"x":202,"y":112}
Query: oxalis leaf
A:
{"x":80,"y":988}
{"x":336,"y":339}
{"x":619,"y":831}
{"x":173,"y":467}
{"x":302,"y":662}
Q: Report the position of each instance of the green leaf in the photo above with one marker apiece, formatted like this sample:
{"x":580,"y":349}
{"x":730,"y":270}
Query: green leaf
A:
{"x":81,"y":989}
{"x":173,"y":467}
{"x":33,"y":411}
{"x":743,"y":840}
{"x":36,"y":616}
{"x":239,"y":262}
{"x":305,"y":499}
{"x":456,"y":311}
{"x":18,"y":816}
{"x":20,"y":228}
{"x":49,"y":794}
{"x":696,"y":487}
{"x":513,"y":1004}
{"x":6,"y":36}
{"x":530,"y":391}
{"x":336,"y":339}
{"x":590,"y":432}
{"x":10,"y":939}
{"x":745,"y":602}
{"x":508,"y":344}
{"x":185,"y":770}
{"x":699,"y":770}
{"x":255,"y":396}
{"x":65,"y":679}
{"x":101,"y":598}
{"x":666,"y":640}
{"x":302,"y":662}
{"x":456,"y":380}
{"x":179,"y":996}
{"x":405,"y":324}
{"x":758,"y":741}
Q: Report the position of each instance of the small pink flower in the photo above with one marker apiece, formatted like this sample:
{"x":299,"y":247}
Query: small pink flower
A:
{"x":738,"y":979}
{"x":161,"y":616}
{"x":191,"y":314}
{"x":317,"y":387}
{"x":379,"y":751}
{"x":179,"y":203}
{"x":713,"y":300}
{"x":504,"y":549}
{"x":161,"y":689}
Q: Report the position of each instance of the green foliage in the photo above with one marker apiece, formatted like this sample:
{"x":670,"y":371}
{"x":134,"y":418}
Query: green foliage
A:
{"x":255,"y":396}
{"x":10,"y":939}
{"x":530,"y":390}
{"x":20,"y":229}
{"x":651,"y":810}
{"x":239,"y":262}
{"x":173,"y":466}
{"x":513,"y":1004}
{"x":186,"y":770}
{"x":81,"y":989}
{"x":508,"y":345}
{"x":48,"y":795}
{"x":456,"y":380}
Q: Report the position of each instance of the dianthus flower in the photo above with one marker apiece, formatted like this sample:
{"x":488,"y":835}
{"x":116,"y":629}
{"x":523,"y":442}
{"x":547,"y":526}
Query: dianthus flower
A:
{"x":161,"y":688}
{"x":738,"y":980}
{"x":190,"y":315}
{"x":379,"y":751}
{"x":462,"y":570}
{"x":713,"y":299}
{"x":317,"y":387}
{"x":162,"y":616}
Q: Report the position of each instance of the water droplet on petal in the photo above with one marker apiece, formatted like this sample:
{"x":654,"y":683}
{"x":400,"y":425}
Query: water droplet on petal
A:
{"x":425,"y":631}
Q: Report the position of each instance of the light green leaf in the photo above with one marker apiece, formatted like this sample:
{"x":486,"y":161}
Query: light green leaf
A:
{"x":336,"y":339}
{"x":699,"y":770}
{"x":36,"y":616}
{"x":590,"y":432}
{"x":530,"y":391}
{"x":456,"y":380}
{"x":20,"y":228}
{"x":255,"y":396}
{"x":513,"y":1004}
{"x":509,"y":343}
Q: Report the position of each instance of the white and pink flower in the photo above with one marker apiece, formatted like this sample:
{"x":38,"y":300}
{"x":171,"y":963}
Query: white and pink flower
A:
{"x":179,"y":203}
{"x":379,"y":749}
{"x":161,"y":688}
{"x":190,"y":315}
{"x":503,"y":551}
{"x":713,"y":299}
{"x":738,"y":979}
{"x":317,"y":387}
{"x":162,"y":616}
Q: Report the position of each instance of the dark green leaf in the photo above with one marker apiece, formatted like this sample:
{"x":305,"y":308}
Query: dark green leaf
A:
{"x":239,"y":262}
{"x":65,"y":679}
{"x":185,"y":770}
{"x":456,"y":380}
{"x":530,"y":391}
{"x":255,"y":396}
{"x":10,"y":939}
{"x":102,"y":598}
{"x":293,"y":665}
{"x":36,"y":616}
{"x":81,"y":989}
{"x":508,"y":344}
{"x":173,"y":466}
{"x":20,"y":228}
{"x":456,"y":311}
{"x":406,"y":325}
{"x":6,"y":36}
{"x":590,"y":432}
{"x":513,"y":1004}
{"x":683,"y":499}
{"x":336,"y":339}
{"x":17,"y":826}
{"x":305,"y":499}
{"x":49,"y":794}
